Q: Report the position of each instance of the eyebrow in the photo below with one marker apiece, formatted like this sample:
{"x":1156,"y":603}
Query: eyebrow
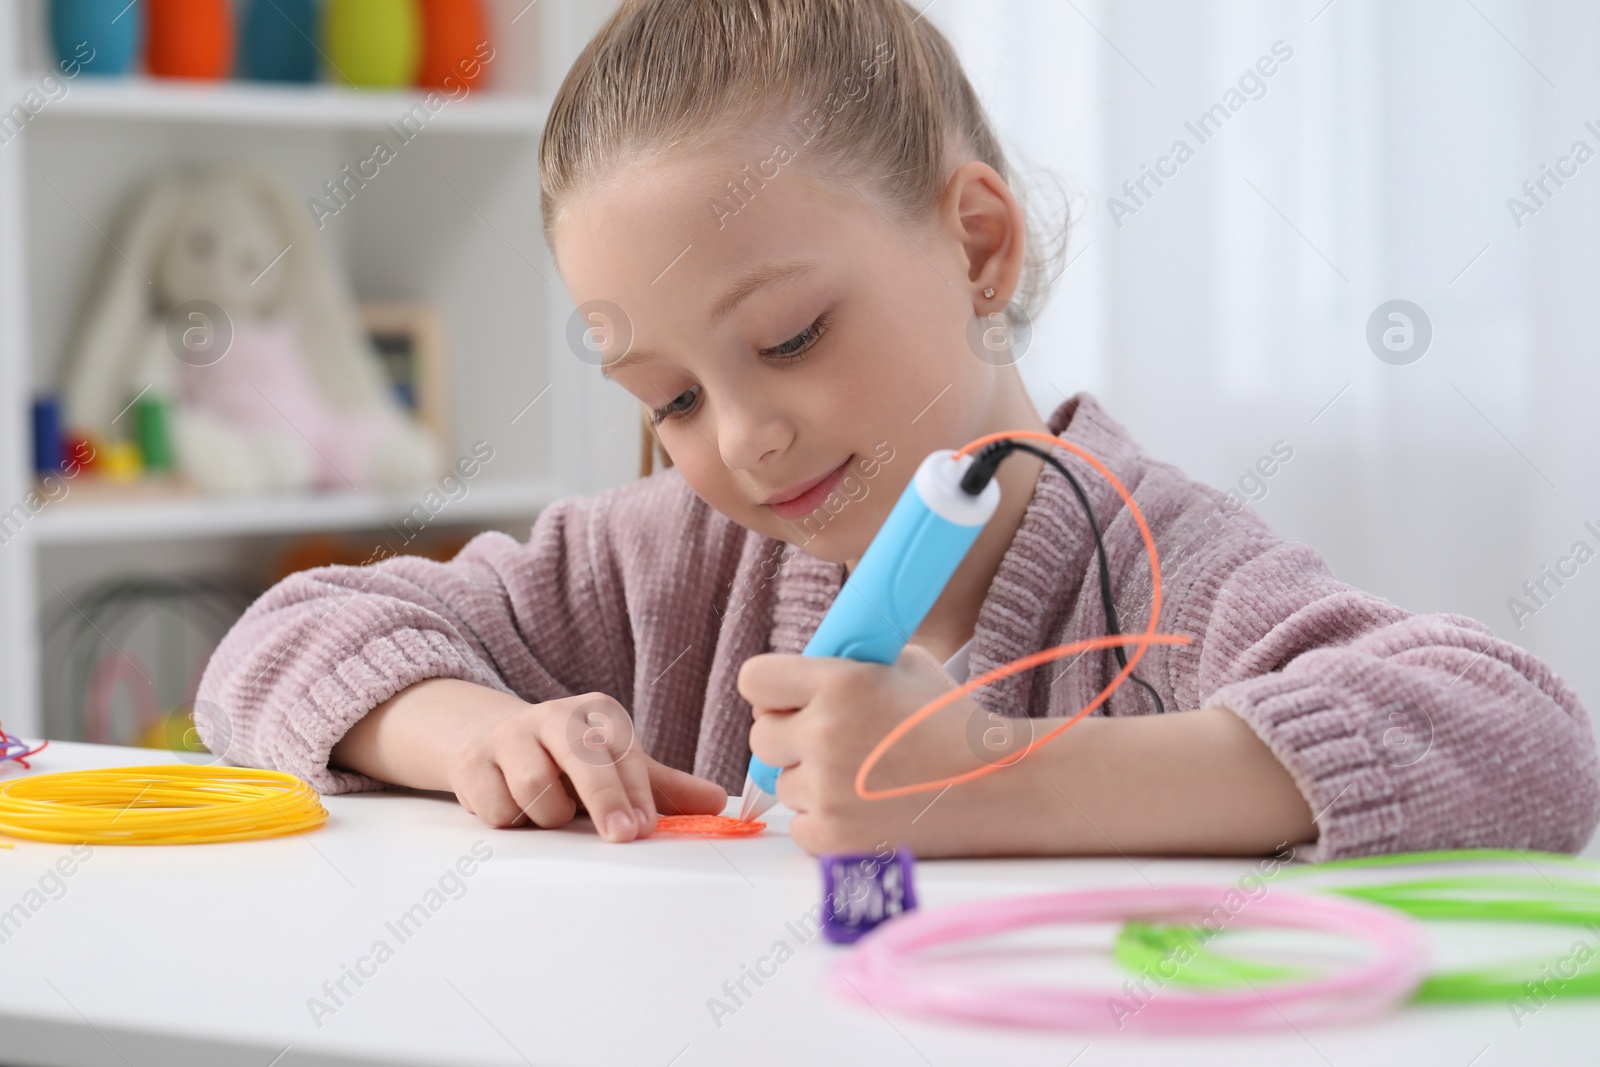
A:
{"x":746,"y":286}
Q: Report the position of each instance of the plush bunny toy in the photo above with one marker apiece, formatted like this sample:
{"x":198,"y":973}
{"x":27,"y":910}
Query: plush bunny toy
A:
{"x":220,"y":297}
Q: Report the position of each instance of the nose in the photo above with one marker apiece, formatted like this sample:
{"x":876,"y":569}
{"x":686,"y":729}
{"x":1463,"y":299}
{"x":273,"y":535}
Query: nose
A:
{"x":749,"y":431}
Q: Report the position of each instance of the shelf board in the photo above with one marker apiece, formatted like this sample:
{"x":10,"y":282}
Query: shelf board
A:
{"x":85,"y":518}
{"x":318,"y":106}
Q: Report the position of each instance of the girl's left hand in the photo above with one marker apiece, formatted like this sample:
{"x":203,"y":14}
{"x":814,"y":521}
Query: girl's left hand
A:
{"x":818,"y":717}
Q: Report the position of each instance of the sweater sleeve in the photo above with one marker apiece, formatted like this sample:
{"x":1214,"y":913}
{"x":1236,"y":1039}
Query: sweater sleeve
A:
{"x":322,"y":647}
{"x":1403,"y":732}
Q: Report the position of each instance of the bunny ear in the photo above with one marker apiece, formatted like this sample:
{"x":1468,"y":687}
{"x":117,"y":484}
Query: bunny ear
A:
{"x":106,"y":348}
{"x":341,"y":356}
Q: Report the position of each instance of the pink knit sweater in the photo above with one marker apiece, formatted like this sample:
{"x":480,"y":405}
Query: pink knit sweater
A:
{"x":1402,"y":731}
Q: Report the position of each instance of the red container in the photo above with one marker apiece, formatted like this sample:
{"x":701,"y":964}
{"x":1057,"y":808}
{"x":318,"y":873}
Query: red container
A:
{"x":455,"y":44}
{"x":189,"y":38}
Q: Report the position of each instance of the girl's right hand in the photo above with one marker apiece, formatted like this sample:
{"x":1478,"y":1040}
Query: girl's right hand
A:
{"x":516,"y":762}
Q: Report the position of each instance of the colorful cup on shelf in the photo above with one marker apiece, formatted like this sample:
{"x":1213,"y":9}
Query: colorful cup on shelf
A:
{"x":150,"y":422}
{"x":120,"y":461}
{"x":373,"y":43}
{"x":455,"y":44}
{"x":84,"y":452}
{"x":189,"y":39}
{"x":48,"y":444}
{"x":280,"y":40}
{"x":97,"y":36}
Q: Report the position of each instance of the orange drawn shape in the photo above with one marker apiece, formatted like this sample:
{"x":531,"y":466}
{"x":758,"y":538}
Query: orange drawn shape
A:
{"x":709,"y":825}
{"x":1142,"y":641}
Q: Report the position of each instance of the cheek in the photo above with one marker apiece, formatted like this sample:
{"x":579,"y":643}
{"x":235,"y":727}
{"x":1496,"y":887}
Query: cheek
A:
{"x":698,"y":462}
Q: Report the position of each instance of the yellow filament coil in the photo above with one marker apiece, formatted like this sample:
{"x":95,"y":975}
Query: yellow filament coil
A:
{"x":170,"y":804}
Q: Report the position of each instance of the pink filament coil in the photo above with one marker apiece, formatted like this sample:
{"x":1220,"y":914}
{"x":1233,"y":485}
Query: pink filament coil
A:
{"x":889,"y":969}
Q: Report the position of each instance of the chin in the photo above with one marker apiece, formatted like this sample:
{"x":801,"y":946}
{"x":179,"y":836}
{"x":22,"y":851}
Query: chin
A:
{"x":830,"y":546}
{"x":818,"y":548}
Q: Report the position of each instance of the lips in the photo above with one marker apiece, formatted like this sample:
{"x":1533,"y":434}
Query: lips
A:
{"x":806,"y":497}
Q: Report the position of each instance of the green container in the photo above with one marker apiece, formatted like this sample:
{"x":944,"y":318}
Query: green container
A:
{"x":151,"y":433}
{"x":373,"y":43}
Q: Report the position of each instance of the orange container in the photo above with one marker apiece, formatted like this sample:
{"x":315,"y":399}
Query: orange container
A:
{"x":189,"y":38}
{"x":455,"y":44}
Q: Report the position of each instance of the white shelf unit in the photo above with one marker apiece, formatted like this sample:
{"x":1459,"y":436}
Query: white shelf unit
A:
{"x":320,"y":106}
{"x":453,"y":222}
{"x":185,"y":519}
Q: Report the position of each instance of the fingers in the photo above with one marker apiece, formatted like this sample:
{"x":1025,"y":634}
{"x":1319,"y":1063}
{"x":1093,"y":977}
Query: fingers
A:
{"x":482,"y":791}
{"x":680,"y":793}
{"x":534,"y":783}
{"x":782,"y":690}
{"x":777,"y":685}
{"x":633,"y":769}
{"x":782,"y":680}
{"x":539,"y":766}
{"x":501,"y":798}
{"x":775,"y":738}
{"x":593,"y":742}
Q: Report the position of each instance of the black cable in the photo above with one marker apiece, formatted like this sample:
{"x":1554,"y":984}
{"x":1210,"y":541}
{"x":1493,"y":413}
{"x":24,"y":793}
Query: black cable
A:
{"x":978,"y":476}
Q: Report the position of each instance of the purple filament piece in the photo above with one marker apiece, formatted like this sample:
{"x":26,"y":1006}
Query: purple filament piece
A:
{"x":862,"y":890}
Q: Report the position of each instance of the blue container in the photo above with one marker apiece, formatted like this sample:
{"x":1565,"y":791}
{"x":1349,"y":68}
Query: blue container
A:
{"x":280,"y":41}
{"x":96,"y":36}
{"x":48,"y":448}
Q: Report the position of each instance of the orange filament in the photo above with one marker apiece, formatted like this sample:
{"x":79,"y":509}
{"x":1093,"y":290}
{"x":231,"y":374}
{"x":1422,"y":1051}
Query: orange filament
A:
{"x":709,"y":825}
{"x":1142,"y":641}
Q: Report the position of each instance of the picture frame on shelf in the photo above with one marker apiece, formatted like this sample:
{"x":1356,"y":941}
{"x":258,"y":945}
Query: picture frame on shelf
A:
{"x":409,"y":340}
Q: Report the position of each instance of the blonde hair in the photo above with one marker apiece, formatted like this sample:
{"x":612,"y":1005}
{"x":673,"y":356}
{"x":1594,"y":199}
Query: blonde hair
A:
{"x":873,"y":90}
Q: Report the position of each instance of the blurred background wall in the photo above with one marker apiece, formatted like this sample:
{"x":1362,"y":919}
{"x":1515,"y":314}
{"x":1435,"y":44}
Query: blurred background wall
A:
{"x":1385,"y":159}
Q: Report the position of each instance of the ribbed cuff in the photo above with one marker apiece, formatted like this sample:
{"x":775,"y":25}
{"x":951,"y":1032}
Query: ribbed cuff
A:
{"x":1318,"y":736}
{"x":339,"y":699}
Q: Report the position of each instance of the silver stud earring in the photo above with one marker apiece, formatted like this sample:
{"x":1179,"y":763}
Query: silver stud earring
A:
{"x":988,"y":294}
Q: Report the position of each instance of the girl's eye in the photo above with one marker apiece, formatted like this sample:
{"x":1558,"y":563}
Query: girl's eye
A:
{"x":673,"y":409}
{"x":800,"y":343}
{"x":791,"y":351}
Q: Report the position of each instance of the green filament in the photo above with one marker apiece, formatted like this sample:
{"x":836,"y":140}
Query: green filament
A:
{"x":1183,"y":950}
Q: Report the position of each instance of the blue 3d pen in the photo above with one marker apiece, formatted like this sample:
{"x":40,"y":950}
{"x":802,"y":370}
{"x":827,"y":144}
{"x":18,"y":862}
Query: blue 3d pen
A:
{"x":901,"y":574}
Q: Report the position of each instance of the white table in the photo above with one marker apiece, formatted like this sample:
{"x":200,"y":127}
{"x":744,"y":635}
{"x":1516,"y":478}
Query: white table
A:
{"x":564,"y":949}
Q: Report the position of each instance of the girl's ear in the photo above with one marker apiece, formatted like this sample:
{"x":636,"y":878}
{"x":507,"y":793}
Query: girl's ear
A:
{"x":124,"y":296}
{"x":339,"y":353}
{"x":992,"y":230}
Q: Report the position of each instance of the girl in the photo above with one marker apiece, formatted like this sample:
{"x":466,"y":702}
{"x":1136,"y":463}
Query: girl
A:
{"x":790,"y":225}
